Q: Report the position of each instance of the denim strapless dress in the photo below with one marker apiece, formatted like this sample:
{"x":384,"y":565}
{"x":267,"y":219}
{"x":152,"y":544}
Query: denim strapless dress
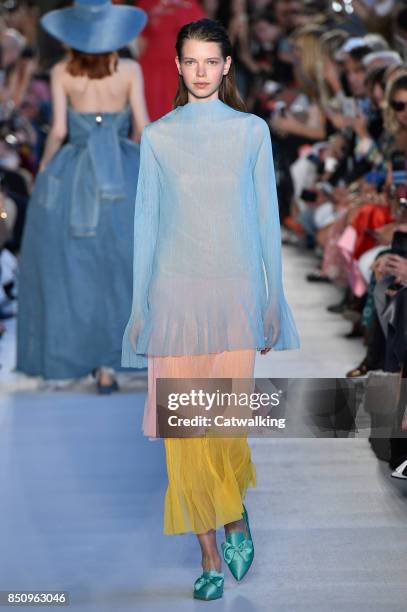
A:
{"x":75,"y":280}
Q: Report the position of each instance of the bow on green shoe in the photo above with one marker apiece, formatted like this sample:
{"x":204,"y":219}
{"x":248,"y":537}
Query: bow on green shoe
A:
{"x":209,"y":585}
{"x":244,"y":549}
{"x":238,"y":550}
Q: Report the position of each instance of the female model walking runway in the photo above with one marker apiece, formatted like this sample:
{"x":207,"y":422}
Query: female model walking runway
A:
{"x":75,"y":281}
{"x":206,"y":229}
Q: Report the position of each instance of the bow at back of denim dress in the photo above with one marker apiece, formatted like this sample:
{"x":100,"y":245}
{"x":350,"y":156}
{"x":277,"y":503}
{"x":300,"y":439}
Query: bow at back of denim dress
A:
{"x":207,"y":243}
{"x":76,"y":262}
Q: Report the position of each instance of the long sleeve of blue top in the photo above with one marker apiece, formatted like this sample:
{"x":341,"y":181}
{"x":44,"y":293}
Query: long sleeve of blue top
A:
{"x":207,"y":240}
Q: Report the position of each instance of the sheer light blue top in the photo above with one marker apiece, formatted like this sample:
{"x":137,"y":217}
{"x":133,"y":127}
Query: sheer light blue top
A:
{"x":207,"y":243}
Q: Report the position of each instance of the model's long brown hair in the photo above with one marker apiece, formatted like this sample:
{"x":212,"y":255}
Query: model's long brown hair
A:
{"x":209,"y":30}
{"x":92,"y":65}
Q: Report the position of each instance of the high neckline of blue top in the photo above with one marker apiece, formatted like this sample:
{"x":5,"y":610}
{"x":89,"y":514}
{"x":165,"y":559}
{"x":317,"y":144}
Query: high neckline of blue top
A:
{"x":203,"y":108}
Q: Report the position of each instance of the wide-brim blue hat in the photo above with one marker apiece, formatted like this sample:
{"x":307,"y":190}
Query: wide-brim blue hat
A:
{"x":95,"y":26}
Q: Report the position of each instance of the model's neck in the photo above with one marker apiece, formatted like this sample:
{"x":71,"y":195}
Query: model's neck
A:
{"x":203,"y":107}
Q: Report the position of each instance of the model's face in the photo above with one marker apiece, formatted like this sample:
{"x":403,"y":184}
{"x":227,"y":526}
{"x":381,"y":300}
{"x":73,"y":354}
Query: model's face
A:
{"x":202,"y":68}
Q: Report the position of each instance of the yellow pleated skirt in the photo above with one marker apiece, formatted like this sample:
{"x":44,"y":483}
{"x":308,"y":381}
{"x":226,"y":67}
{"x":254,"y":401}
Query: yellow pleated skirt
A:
{"x":207,"y":477}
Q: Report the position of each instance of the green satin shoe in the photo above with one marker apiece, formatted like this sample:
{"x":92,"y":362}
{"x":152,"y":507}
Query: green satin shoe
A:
{"x":238,"y":551}
{"x":209,"y":585}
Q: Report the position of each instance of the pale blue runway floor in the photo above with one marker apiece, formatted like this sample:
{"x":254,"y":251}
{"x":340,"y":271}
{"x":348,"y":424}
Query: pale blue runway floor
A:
{"x":82,"y":496}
